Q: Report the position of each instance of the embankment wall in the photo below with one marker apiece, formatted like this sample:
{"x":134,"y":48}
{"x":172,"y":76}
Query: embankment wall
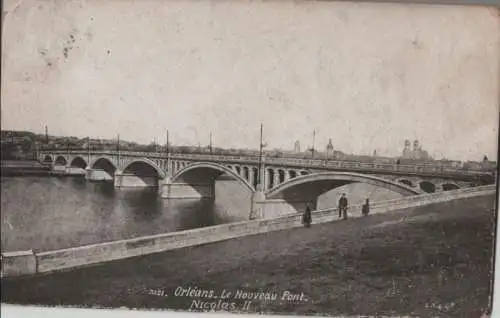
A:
{"x":29,"y":262}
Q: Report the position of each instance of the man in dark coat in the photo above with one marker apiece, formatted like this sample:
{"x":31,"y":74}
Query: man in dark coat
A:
{"x":366,"y":207}
{"x":307,"y":218}
{"x":343,"y":206}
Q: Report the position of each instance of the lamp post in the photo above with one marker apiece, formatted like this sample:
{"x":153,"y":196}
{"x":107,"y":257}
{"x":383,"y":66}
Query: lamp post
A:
{"x":118,"y":147}
{"x":88,"y":152}
{"x":261,"y":154}
{"x":169,"y":160}
{"x":258,"y":196}
{"x":36,"y":151}
{"x":167,"y":146}
{"x":210,"y":146}
{"x":312,"y":148}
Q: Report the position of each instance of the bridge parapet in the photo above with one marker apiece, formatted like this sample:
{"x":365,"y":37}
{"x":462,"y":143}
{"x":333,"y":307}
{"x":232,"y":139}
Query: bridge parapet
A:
{"x":369,"y":167}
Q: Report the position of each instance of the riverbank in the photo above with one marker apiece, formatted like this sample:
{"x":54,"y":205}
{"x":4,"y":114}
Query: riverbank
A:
{"x":31,"y":262}
{"x":21,"y":163}
{"x":15,"y":168}
{"x":424,"y":261}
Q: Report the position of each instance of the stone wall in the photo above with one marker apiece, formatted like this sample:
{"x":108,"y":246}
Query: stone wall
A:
{"x":274,"y":208}
{"x":26,"y":263}
{"x":75,"y":171}
{"x":186,"y":191}
{"x":18,"y":263}
{"x":59,"y":168}
{"x":97,"y":175}
{"x":133,"y":181}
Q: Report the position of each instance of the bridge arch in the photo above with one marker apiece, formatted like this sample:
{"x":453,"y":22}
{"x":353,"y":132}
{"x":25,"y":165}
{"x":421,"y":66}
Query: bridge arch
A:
{"x":104,"y":163}
{"x":48,"y":159}
{"x":61,"y":160}
{"x":78,"y":162}
{"x":207,"y":171}
{"x":427,"y":186}
{"x":447,"y":186}
{"x":100,"y":159}
{"x":405,"y":181}
{"x":311,"y":186}
{"x":136,"y":165}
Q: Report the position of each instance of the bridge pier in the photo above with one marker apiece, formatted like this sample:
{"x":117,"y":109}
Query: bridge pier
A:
{"x":58,"y":168}
{"x":271,"y":208}
{"x":67,"y":170}
{"x":75,"y":171}
{"x":122,"y":180}
{"x":263,"y":208}
{"x":97,"y":175}
{"x":182,"y":190}
{"x":257,"y":208}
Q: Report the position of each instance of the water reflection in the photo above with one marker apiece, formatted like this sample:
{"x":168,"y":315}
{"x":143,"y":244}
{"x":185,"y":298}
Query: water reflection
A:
{"x":52,"y":213}
{"x":196,"y":213}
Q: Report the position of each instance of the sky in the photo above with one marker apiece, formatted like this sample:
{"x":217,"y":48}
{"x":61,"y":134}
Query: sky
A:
{"x":366,"y":75}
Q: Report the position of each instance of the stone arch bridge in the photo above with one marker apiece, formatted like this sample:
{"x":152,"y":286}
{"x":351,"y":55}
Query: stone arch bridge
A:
{"x":276,"y":185}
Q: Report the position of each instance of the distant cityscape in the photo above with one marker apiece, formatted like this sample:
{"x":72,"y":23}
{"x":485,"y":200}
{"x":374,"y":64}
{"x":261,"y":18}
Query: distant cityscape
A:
{"x":417,"y":153}
{"x":24,"y":145}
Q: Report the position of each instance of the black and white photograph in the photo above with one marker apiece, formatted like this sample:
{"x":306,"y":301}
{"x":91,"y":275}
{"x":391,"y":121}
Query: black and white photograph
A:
{"x":304,"y":158}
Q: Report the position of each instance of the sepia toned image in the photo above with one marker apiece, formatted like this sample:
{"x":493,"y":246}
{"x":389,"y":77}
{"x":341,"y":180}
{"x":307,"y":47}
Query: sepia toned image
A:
{"x":277,"y":157}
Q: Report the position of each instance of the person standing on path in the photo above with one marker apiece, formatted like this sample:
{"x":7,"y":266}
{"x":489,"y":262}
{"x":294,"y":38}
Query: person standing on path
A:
{"x":343,"y":203}
{"x":366,"y":207}
{"x":307,"y":218}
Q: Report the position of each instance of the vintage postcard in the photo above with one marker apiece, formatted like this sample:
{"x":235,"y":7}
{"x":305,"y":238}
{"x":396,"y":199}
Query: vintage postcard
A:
{"x":250,"y":157}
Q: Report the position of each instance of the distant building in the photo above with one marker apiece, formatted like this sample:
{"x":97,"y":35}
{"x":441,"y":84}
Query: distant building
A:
{"x":487,"y":164}
{"x":416,"y":153}
{"x":296,"y":147}
{"x":472,"y":165}
{"x":329,"y":149}
{"x":449,"y":163}
{"x":407,"y":150}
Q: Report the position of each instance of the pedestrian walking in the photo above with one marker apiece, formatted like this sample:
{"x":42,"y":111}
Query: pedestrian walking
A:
{"x":366,"y":207}
{"x":306,"y":217}
{"x":343,"y":204}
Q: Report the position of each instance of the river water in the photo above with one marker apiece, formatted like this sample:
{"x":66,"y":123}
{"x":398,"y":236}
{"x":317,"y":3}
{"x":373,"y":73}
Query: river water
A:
{"x":48,"y":213}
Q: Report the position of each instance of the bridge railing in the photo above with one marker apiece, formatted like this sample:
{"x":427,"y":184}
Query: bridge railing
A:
{"x":300,"y":163}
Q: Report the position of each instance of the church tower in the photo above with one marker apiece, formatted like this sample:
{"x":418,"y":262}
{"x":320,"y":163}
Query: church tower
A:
{"x":329,"y":149}
{"x":407,"y":150}
{"x":296,"y":147}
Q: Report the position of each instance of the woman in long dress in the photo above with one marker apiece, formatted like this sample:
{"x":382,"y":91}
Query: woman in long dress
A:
{"x":307,"y":218}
